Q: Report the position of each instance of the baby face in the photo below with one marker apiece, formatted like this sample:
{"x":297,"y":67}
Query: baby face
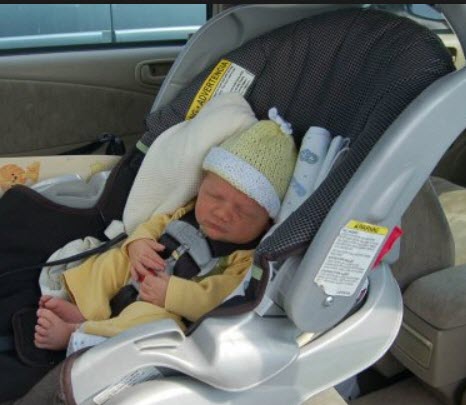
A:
{"x":226,"y":214}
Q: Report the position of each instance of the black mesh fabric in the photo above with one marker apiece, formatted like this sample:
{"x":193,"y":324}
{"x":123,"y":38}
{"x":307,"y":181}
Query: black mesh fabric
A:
{"x":350,"y":71}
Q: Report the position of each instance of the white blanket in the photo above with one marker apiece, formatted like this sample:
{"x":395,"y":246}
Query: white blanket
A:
{"x":171,"y":171}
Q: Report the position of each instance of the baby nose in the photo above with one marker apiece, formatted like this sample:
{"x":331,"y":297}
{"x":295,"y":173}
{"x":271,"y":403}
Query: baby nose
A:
{"x":224,"y":213}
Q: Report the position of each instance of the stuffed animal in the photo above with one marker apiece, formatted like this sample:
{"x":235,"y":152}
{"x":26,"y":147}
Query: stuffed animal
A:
{"x":12,"y":174}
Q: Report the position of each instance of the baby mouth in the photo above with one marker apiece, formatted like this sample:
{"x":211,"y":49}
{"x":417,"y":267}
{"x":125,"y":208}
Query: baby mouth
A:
{"x":215,"y":227}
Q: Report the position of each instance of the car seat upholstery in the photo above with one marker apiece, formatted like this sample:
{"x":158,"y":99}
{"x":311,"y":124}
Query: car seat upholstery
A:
{"x":453,"y":204}
{"x":353,"y":72}
{"x":431,"y":341}
{"x":425,"y":229}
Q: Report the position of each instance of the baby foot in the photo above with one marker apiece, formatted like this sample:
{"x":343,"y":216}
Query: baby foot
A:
{"x":51,"y":332}
{"x":65,"y":310}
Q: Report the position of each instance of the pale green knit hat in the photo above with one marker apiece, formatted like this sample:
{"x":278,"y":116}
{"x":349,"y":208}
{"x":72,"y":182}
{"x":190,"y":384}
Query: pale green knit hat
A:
{"x":259,"y":162}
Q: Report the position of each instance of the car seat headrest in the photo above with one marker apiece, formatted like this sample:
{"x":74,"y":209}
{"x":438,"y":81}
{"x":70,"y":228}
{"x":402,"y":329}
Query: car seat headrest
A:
{"x":330,"y":70}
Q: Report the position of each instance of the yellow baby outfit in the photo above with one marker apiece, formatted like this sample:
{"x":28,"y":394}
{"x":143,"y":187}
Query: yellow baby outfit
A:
{"x":92,"y":285}
{"x":258,"y":162}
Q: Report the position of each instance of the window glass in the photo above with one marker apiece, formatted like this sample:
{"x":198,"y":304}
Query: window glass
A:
{"x":423,"y":14}
{"x":425,"y":11}
{"x":432,"y":18}
{"x":157,"y":21}
{"x":44,"y":25}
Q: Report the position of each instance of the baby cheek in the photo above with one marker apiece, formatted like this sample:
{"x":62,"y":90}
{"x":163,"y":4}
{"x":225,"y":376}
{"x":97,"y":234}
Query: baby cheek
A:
{"x":200,"y":211}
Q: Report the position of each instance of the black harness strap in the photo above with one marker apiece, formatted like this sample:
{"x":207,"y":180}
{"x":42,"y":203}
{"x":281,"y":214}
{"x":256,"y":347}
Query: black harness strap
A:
{"x":115,"y":146}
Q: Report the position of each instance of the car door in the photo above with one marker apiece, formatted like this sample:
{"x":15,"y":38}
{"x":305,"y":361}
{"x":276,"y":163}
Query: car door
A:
{"x":72,"y":72}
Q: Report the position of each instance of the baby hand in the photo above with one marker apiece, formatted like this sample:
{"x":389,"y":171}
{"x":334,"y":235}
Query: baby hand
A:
{"x":144,"y":258}
{"x":153,"y":288}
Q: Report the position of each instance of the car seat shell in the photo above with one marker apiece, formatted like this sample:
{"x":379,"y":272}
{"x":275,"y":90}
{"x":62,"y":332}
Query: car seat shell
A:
{"x":251,"y":370}
{"x":379,"y":192}
{"x":390,"y":195}
{"x":391,"y":189}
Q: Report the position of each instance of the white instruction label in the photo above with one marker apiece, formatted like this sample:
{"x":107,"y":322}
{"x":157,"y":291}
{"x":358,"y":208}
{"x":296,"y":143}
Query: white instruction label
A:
{"x":235,"y":80}
{"x":144,"y":374}
{"x":350,"y":256}
{"x":226,"y":77}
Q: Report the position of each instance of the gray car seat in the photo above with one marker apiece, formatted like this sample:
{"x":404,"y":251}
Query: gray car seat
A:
{"x":315,"y":72}
{"x":360,"y":74}
{"x":382,"y":63}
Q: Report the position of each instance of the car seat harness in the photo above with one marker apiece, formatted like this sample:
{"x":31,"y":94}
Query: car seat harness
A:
{"x":188,"y":253}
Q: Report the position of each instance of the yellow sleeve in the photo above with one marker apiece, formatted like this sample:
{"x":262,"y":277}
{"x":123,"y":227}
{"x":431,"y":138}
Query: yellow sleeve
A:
{"x":191,"y":299}
{"x":154,"y":228}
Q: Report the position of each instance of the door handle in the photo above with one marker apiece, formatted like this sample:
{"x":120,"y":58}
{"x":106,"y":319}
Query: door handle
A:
{"x":153,"y":72}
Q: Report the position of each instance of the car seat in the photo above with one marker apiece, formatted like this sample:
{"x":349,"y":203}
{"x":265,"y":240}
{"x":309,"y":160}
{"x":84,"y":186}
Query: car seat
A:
{"x":382,"y":63}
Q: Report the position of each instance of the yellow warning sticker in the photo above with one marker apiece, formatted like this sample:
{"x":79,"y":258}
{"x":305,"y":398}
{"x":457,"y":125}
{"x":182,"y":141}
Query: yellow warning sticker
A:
{"x":226,"y":77}
{"x":350,"y":258}
{"x":365,"y":227}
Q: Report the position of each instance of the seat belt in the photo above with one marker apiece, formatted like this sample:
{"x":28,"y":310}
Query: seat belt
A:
{"x":7,"y":341}
{"x":115,"y":146}
{"x":99,"y":249}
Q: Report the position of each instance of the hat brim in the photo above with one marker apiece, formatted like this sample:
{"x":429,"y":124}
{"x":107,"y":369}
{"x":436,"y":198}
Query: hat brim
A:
{"x":244,"y":177}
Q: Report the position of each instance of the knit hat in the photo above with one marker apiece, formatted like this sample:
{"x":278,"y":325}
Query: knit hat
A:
{"x":258,"y":162}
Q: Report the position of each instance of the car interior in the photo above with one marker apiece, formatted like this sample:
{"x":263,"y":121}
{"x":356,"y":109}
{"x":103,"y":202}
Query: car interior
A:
{"x":396,"y":89}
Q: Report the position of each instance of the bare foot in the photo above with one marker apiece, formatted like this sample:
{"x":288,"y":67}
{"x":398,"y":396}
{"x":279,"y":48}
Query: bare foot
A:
{"x":52,"y":332}
{"x":65,"y":310}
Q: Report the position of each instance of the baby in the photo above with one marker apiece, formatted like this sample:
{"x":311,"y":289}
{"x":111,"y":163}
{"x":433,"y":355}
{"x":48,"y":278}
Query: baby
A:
{"x":245,"y":179}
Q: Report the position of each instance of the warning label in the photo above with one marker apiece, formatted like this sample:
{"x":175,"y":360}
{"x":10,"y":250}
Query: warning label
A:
{"x":350,"y":256}
{"x":145,"y":374}
{"x":226,"y":77}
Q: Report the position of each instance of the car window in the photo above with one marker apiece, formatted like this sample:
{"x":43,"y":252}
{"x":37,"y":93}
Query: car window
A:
{"x":424,"y":14}
{"x":431,"y":18}
{"x":47,"y":25}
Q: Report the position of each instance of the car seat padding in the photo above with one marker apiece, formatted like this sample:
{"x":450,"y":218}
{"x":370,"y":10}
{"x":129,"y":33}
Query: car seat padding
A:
{"x":24,"y":322}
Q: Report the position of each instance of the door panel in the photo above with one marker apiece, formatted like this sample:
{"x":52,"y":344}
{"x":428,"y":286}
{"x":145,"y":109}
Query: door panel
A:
{"x":53,"y":102}
{"x":453,"y":44}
